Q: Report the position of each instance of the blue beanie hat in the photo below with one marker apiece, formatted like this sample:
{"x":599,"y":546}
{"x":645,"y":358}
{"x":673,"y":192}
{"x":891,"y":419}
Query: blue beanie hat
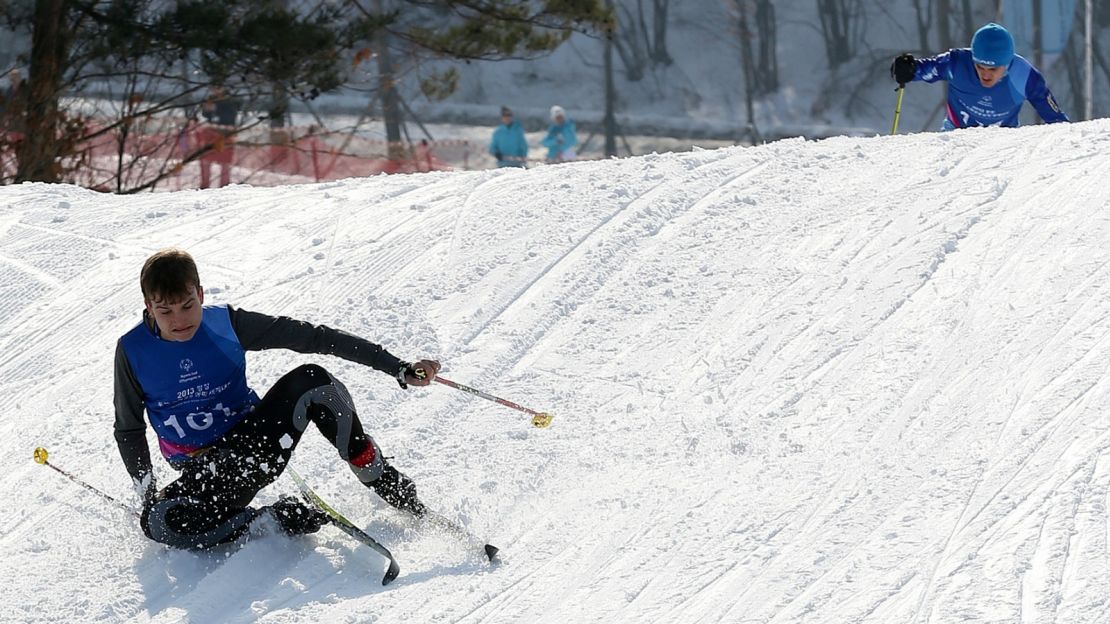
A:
{"x":992,"y":46}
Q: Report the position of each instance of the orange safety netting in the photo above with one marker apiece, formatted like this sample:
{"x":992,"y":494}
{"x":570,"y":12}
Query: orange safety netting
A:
{"x":203,"y":155}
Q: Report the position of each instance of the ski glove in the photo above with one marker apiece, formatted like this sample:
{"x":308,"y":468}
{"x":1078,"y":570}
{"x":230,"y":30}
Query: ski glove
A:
{"x":145,"y":488}
{"x":903,"y":69}
{"x":417,"y":373}
{"x":296,"y":518}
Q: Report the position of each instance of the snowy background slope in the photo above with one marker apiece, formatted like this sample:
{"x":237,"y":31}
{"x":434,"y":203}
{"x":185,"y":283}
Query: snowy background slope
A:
{"x":855,"y":380}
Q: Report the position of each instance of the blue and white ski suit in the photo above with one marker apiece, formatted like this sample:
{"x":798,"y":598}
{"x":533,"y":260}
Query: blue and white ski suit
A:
{"x":971,"y":104}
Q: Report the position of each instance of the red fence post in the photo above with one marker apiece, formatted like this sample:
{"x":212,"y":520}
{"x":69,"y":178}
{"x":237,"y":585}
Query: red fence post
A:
{"x":315,"y":161}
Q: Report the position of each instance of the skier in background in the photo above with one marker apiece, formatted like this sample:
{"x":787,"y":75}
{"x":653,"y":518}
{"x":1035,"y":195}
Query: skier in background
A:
{"x":561,"y":138}
{"x":508,"y":144}
{"x":185,"y":364}
{"x":222,"y":114}
{"x":987,"y":84}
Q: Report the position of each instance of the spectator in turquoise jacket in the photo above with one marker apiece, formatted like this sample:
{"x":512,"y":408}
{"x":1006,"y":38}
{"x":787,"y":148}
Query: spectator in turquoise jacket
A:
{"x":561,"y":138}
{"x":508,"y":145}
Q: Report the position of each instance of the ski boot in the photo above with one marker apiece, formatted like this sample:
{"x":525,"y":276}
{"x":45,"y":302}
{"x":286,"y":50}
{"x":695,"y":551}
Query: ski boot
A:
{"x":398,"y":490}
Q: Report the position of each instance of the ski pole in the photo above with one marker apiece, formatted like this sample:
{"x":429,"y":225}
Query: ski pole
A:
{"x":898,"y":108}
{"x":41,"y":457}
{"x":539,"y":419}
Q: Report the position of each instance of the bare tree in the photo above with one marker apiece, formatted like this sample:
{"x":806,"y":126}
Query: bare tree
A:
{"x":923,"y":11}
{"x":841,"y":25}
{"x":42,"y":119}
{"x":1073,"y":59}
{"x":757,"y":43}
{"x":610,"y":120}
{"x":641,"y":42}
{"x":1038,"y":37}
{"x":160,"y":58}
{"x":767,"y":68}
{"x":124,"y":57}
{"x":968,"y":22}
{"x":944,"y":26}
{"x":659,"y":53}
{"x":404,"y":33}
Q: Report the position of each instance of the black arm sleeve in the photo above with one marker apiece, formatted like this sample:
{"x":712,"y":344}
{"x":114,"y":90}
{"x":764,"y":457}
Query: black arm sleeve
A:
{"x":259,"y":331}
{"x":130,"y":426}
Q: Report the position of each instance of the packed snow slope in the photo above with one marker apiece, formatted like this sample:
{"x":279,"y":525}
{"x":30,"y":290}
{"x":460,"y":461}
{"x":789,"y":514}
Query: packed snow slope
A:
{"x":854,"y":380}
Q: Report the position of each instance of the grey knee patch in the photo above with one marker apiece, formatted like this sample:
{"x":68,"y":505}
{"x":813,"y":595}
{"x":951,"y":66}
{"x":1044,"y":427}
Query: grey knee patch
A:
{"x":335,"y":397}
{"x":159,"y":529}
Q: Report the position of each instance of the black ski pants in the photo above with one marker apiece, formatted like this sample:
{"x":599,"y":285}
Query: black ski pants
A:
{"x":209,"y":503}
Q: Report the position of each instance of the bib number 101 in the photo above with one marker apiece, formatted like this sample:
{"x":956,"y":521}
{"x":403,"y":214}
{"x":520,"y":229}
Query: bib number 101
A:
{"x":197,"y":421}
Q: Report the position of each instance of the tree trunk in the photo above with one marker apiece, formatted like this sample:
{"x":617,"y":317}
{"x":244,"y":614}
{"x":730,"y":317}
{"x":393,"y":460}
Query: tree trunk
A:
{"x":768,"y":67}
{"x":748,"y":66}
{"x":610,"y":95}
{"x":627,"y":42}
{"x":1038,"y":39}
{"x":391,"y":103}
{"x":944,"y":25}
{"x":969,"y":23}
{"x":924,"y":22}
{"x":39,"y":153}
{"x":659,"y":53}
{"x":279,"y":100}
{"x":1088,"y":60}
{"x":836,"y":24}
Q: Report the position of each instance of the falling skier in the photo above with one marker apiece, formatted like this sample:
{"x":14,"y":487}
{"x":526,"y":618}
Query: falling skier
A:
{"x":987,"y":84}
{"x":185,"y":365}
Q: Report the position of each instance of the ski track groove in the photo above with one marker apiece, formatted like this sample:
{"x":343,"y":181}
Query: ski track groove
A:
{"x":390,"y":248}
{"x":45,"y":278}
{"x":783,"y":346}
{"x":991,"y":532}
{"x":512,"y":596}
{"x":45,"y":339}
{"x":394,"y":221}
{"x":930,"y":586}
{"x":830,"y":565}
{"x":1053,"y":339}
{"x":770,"y":562}
{"x":987,"y":535}
{"x":325,"y":275}
{"x":961,"y":524}
{"x":829,"y":562}
{"x":612,"y":218}
{"x":1068,"y":561}
{"x":464,"y":209}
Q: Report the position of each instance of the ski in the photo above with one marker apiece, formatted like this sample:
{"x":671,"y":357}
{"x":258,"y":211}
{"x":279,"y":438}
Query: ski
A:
{"x":440,"y":522}
{"x":343,"y":524}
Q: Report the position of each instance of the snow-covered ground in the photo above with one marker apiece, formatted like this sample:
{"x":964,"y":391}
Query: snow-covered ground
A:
{"x":854,"y":380}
